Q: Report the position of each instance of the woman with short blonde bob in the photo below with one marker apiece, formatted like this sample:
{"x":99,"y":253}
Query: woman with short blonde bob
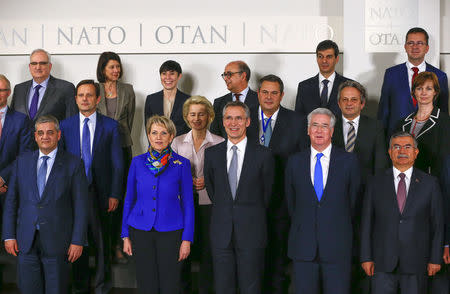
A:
{"x":199,"y":114}
{"x":158,"y":214}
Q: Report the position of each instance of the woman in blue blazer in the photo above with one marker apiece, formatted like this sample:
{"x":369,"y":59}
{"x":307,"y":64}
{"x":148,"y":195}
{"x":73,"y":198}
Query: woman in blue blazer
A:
{"x":158,"y":214}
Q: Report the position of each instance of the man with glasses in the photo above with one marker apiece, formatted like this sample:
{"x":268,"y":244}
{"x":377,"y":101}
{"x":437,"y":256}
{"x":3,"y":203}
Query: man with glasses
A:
{"x":402,"y":225}
{"x":322,"y":190}
{"x":236,"y":76}
{"x":44,"y":94}
{"x":396,"y":101}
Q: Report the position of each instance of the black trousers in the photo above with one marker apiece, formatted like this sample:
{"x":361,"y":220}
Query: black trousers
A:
{"x":99,"y":238}
{"x":390,"y":283}
{"x":39,"y":273}
{"x":157,"y":267}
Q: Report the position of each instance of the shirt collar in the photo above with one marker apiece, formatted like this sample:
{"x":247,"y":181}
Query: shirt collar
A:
{"x":240,"y":146}
{"x":326,"y":153}
{"x":244,"y":92}
{"x":188,"y":137}
{"x":355,"y":120}
{"x":52,"y":154}
{"x":4,"y":109}
{"x":422,"y":67}
{"x":408,"y":172}
{"x":330,"y":78}
{"x":273,"y":117}
{"x":43,"y":84}
{"x":92,"y":117}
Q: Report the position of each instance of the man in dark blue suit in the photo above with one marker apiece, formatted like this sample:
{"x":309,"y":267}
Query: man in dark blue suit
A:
{"x":236,"y":76}
{"x":322,"y":89}
{"x":402,"y":224}
{"x":322,"y":190}
{"x":15,"y":136}
{"x":396,"y":101}
{"x":95,"y":138}
{"x":45,"y":214}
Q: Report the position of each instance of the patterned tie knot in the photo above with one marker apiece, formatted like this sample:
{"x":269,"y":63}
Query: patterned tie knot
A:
{"x":415,"y":70}
{"x":325,"y":82}
{"x":402,"y":176}
{"x":37,"y":87}
{"x":237,"y":95}
{"x":350,"y":122}
{"x":234,"y":148}
{"x":86,"y":120}
{"x":319,"y":156}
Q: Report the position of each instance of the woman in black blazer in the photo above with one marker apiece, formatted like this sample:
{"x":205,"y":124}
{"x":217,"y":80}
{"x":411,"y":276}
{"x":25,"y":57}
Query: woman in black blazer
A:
{"x":429,"y":124}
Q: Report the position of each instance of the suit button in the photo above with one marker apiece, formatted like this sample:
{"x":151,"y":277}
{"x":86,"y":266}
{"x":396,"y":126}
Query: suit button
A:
{"x":153,"y":209}
{"x":401,"y":221}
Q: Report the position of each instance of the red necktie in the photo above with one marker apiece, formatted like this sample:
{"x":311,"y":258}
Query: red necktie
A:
{"x":237,"y":95}
{"x":416,"y":72}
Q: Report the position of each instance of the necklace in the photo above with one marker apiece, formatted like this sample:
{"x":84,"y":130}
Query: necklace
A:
{"x":109,"y":89}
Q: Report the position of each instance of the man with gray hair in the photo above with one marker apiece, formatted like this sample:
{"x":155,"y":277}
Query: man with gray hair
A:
{"x":44,"y":94}
{"x":402,"y":224}
{"x":322,"y":189}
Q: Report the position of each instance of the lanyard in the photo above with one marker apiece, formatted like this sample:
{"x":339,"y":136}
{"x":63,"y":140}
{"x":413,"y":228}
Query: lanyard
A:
{"x":264,"y":126}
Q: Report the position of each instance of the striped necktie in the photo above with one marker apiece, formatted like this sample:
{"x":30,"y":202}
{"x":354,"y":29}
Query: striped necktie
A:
{"x":351,"y":137}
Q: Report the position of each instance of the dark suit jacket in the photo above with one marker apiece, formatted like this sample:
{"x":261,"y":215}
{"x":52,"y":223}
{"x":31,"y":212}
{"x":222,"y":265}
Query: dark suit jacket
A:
{"x":107,"y":159}
{"x":15,"y":140}
{"x":433,"y":140}
{"x":154,"y":105}
{"x":288,"y":137}
{"x":322,"y":228}
{"x":126,"y":105}
{"x":243,"y":219}
{"x":61,"y":212}
{"x":370,"y":145}
{"x":308,"y":95}
{"x":409,"y":241}
{"x":396,"y":102}
{"x":58,"y":100}
{"x":219,"y":103}
{"x":445,"y":184}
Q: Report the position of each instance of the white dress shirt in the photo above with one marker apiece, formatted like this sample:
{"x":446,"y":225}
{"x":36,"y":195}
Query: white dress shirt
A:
{"x":91,"y":124}
{"x":422,"y":67}
{"x":240,"y":155}
{"x":346,"y":126}
{"x":324,"y":161}
{"x":41,"y":92}
{"x":50,"y":162}
{"x":330,"y":83}
{"x":243,"y":95}
{"x":408,"y":175}
{"x":3,"y":114}
{"x":273,"y":119}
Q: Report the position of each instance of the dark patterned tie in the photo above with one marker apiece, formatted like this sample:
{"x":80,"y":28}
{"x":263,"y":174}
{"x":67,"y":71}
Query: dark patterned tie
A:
{"x":401,"y":192}
{"x":237,"y":95}
{"x":324,"y":94}
{"x":351,"y":137}
{"x":34,"y":102}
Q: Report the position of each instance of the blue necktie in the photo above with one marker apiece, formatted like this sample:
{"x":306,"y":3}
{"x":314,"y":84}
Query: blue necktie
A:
{"x":318,"y":177}
{"x":232,"y":172}
{"x":42,"y":174}
{"x":267,"y":133}
{"x":324,"y":94}
{"x":34,"y":102}
{"x":86,"y":150}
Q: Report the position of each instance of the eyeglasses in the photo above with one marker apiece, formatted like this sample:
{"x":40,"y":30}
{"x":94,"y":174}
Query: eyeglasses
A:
{"x":418,"y":43}
{"x":4,"y":90}
{"x":228,"y":74}
{"x":407,"y":147}
{"x":34,"y":63}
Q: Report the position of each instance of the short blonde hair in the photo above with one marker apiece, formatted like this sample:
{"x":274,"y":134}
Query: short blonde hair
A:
{"x":202,"y":101}
{"x":4,"y":78}
{"x":160,"y":120}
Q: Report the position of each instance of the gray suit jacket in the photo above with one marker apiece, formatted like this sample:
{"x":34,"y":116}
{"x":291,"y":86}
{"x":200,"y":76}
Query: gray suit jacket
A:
{"x":126,"y":105}
{"x":58,"y":100}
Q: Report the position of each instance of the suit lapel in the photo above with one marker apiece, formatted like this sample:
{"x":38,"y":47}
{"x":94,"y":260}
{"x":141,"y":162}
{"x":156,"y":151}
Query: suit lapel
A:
{"x":406,"y":126}
{"x":404,"y":83}
{"x":49,"y":92}
{"x":6,"y":129}
{"x":389,"y":184}
{"x":102,"y":104}
{"x":316,"y":88}
{"x":338,"y":134}
{"x":431,"y":122}
{"x":332,"y":169}
{"x":50,"y":184}
{"x":280,"y":125}
{"x":360,"y":133}
{"x":98,"y":133}
{"x":158,"y":103}
{"x":414,"y":187}
{"x":177,"y":104}
{"x":333,"y":95}
{"x":120,"y":95}
{"x":34,"y":161}
{"x":248,"y":159}
{"x":222,"y":159}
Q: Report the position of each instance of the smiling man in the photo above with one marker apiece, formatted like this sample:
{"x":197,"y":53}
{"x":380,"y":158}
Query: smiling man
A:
{"x":238,"y":227}
{"x":321,"y":90}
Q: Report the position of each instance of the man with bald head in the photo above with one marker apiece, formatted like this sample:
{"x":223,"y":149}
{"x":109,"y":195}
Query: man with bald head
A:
{"x":236,"y":76}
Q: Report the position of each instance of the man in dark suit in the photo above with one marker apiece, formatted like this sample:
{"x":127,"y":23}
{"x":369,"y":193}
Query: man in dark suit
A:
{"x":45,"y":214}
{"x":358,"y":133}
{"x":283,"y":131}
{"x":44,"y":94}
{"x":322,"y":89}
{"x":168,"y":102}
{"x":238,"y":218}
{"x":402,"y":226}
{"x":15,"y":136}
{"x":95,"y":138}
{"x":236,"y":76}
{"x":322,"y":189}
{"x":396,"y":101}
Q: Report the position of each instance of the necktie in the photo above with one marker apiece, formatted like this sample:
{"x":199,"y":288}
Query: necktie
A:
{"x":86,"y":150}
{"x":237,"y":95}
{"x":324,"y":94}
{"x":232,"y":172}
{"x":416,"y":72}
{"x":401,"y":192}
{"x":42,"y":174}
{"x":34,"y":102}
{"x":267,"y":133}
{"x":351,"y":137}
{"x":318,"y":177}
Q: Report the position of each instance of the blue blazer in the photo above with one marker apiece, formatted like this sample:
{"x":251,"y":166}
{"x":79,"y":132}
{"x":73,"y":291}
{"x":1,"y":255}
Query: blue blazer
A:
{"x":165,"y":202}
{"x":396,"y":102}
{"x":107,"y":158}
{"x":61,"y":212}
{"x":15,"y":140}
{"x":324,"y":228}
